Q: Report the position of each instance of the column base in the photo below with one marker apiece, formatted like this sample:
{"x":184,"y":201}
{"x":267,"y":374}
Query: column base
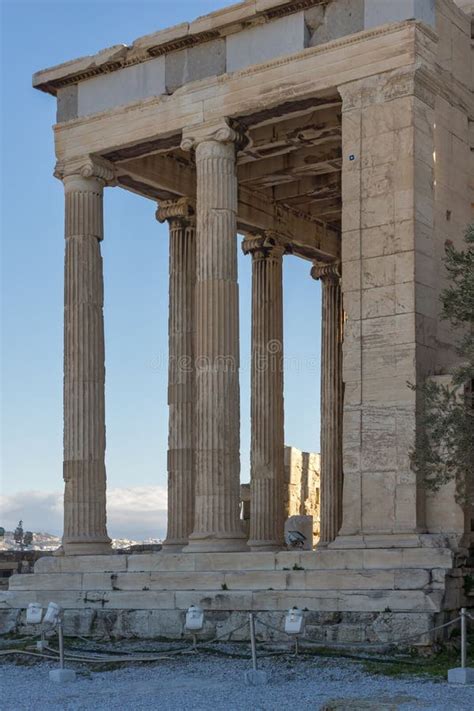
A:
{"x":173,"y":546}
{"x":88,"y":548}
{"x":212,"y":543}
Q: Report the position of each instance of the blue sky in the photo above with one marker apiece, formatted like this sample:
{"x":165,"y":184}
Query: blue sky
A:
{"x":36,"y":35}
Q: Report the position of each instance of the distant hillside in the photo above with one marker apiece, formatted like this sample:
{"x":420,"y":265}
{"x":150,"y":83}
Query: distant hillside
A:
{"x":47,"y":542}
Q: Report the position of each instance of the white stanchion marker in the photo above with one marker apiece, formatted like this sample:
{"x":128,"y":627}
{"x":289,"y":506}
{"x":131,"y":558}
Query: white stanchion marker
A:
{"x":53,"y":618}
{"x":462,"y":674}
{"x":254,"y":676}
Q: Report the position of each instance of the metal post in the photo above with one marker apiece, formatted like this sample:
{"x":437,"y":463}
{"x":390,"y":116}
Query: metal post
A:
{"x":297,"y":646}
{"x":463,"y":637}
{"x":252,"y":641}
{"x":61,"y":644}
{"x":194,"y":642}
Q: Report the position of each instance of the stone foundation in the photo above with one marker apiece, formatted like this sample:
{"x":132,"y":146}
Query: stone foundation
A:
{"x":362,"y":595}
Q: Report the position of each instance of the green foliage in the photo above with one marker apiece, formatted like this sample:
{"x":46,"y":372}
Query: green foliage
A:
{"x":468,"y":584}
{"x":444,"y":444}
{"x":22,"y":538}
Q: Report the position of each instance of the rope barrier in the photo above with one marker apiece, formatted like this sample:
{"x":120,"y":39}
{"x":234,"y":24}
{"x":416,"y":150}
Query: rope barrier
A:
{"x":94,"y":656}
{"x":117,"y":657}
{"x":339,"y":645}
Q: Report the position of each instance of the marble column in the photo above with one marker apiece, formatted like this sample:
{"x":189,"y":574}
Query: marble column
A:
{"x":331,"y":400}
{"x":85,"y":530}
{"x":180,"y":215}
{"x":217,"y":524}
{"x":267,"y":426}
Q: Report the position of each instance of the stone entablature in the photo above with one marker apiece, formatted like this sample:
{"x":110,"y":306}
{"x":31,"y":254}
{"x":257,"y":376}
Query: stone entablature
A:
{"x":226,"y":41}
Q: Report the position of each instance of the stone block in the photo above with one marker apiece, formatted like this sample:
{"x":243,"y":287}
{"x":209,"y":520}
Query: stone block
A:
{"x":263,"y":42}
{"x":350,"y":215}
{"x":47,"y":581}
{"x":234,"y":561}
{"x":386,"y":330}
{"x":150,"y":624}
{"x":389,"y":626}
{"x":186,"y":581}
{"x":223,"y":600}
{"x":257,"y":580}
{"x":378,"y":301}
{"x":412,"y":579}
{"x":377,"y":150}
{"x":461,"y":675}
{"x":81,"y":564}
{"x":382,"y":558}
{"x":337,"y":19}
{"x":135,"y":600}
{"x":9,"y":620}
{"x":256,"y":677}
{"x":299,"y":525}
{"x":101,"y":581}
{"x":377,"y":211}
{"x":203,"y":60}
{"x":427,"y":557}
{"x":381,"y":13}
{"x":461,"y":56}
{"x":349,"y":580}
{"x":379,"y":436}
{"x":378,"y":505}
{"x":287,"y":559}
{"x":378,"y":271}
{"x":351,"y":246}
{"x":78,"y":622}
{"x":405,"y":298}
{"x":351,"y":276}
{"x":352,"y":504}
{"x":161,"y":561}
{"x":62,"y":676}
{"x":66,"y":108}
{"x":121,"y":87}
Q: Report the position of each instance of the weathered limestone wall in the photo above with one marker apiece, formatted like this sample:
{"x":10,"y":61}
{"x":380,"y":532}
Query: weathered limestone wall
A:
{"x":302,"y":485}
{"x":453,"y":190}
{"x":301,"y":489}
{"x":405,"y":190}
{"x":386,"y":222}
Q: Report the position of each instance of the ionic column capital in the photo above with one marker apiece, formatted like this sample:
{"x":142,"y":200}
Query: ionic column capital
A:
{"x":222,"y":131}
{"x":86,"y":168}
{"x":181,"y":210}
{"x":269,"y":245}
{"x":327,"y":272}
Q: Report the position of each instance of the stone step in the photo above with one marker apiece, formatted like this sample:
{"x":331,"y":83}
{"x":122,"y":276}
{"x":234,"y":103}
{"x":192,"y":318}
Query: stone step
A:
{"x":394,"y":579}
{"x":325,"y":559}
{"x":228,"y":600}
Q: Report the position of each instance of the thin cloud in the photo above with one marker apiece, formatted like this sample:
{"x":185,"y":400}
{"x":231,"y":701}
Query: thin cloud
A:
{"x":137,"y":512}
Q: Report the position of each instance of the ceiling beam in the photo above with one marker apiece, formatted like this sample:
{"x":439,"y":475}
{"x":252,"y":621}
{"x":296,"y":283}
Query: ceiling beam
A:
{"x":310,"y":237}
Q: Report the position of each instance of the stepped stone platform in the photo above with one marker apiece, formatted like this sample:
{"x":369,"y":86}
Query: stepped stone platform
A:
{"x":348,"y":595}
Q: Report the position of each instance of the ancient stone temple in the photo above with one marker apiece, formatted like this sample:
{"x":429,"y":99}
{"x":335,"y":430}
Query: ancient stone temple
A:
{"x":341,"y":132}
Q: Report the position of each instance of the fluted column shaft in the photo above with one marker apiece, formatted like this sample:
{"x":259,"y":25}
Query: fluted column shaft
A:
{"x":181,"y":399}
{"x":267,"y":413}
{"x":217,"y":524}
{"x":85,"y":529}
{"x":331,"y":401}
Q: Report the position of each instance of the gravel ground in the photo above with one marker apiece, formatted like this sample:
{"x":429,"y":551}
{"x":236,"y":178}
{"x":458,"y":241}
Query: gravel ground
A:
{"x":217,"y":683}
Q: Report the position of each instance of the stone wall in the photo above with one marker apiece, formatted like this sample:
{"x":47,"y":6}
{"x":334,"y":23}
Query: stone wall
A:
{"x":302,"y":481}
{"x":301,"y":488}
